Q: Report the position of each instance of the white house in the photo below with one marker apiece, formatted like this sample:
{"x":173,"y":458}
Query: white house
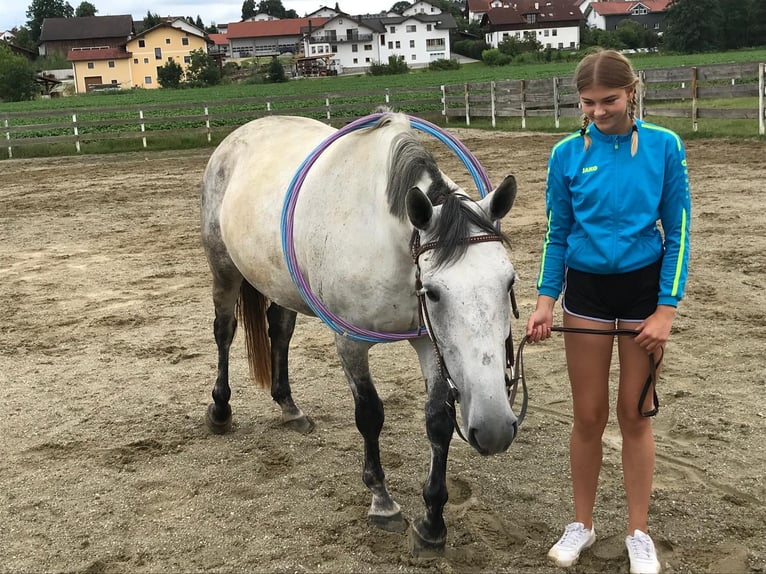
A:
{"x":419,"y":36}
{"x":555,"y":24}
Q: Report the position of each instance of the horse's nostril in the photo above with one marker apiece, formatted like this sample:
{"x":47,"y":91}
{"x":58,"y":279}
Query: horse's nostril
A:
{"x":474,"y":442}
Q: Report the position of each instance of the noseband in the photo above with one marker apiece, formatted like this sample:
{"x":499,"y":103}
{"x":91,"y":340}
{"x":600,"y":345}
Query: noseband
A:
{"x":512,"y":377}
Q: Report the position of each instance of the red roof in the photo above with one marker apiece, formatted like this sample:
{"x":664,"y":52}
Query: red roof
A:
{"x":97,"y":54}
{"x":264,"y":28}
{"x":219,"y":39}
{"x":623,"y":7}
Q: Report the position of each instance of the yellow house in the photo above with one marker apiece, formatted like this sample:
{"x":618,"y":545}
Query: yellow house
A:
{"x":135,"y":64}
{"x":100,"y":67}
{"x":156,"y":46}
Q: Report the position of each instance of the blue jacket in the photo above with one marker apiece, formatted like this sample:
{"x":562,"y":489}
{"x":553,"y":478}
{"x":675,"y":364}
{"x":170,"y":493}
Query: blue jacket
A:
{"x":603,"y":206}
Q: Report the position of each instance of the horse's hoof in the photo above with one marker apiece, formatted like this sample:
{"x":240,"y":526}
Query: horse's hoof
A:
{"x":394,"y":523}
{"x":215,"y":424}
{"x":302,"y":424}
{"x":423,"y":547}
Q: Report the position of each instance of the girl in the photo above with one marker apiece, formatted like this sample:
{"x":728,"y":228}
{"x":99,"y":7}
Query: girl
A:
{"x":608,"y":185}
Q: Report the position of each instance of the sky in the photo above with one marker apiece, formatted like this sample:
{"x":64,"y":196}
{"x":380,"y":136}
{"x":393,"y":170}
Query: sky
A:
{"x":13,"y":12}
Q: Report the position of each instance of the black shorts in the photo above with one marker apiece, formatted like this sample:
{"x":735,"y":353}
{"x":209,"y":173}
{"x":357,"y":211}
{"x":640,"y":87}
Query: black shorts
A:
{"x":626,"y":297}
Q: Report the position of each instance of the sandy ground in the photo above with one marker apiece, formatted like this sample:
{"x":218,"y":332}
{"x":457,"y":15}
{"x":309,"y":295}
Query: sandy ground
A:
{"x":107,"y":361}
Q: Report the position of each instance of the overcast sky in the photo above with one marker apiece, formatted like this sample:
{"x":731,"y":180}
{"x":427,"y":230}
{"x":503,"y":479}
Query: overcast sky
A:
{"x":13,"y":12}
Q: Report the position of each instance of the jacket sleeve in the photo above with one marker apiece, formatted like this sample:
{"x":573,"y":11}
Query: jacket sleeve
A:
{"x":675,"y":215}
{"x":558,"y":210}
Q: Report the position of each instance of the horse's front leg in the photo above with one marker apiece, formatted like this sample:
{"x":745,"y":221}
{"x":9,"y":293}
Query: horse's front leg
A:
{"x":384,"y":512}
{"x":429,"y":534}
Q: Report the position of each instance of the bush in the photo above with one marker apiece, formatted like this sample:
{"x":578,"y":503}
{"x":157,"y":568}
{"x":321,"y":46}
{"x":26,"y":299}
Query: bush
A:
{"x":470,"y":48}
{"x":17,"y":77}
{"x":494,"y":57}
{"x":169,"y":75}
{"x":444,"y":64}
{"x":275,"y":72}
{"x":396,"y":65}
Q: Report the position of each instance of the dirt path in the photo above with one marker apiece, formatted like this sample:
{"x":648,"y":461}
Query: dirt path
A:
{"x":107,"y":361}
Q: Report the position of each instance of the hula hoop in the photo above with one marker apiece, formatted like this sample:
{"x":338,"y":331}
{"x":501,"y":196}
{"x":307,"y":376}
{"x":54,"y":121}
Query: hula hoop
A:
{"x":338,"y":324}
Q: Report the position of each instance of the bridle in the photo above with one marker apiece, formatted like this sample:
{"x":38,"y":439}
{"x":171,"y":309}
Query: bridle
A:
{"x":512,"y":378}
{"x":514,"y":369}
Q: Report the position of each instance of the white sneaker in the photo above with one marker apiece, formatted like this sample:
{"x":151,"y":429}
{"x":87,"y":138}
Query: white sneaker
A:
{"x":575,"y":539}
{"x":643,"y":556}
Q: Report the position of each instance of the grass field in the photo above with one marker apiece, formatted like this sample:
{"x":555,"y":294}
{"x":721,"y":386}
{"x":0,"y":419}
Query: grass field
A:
{"x":475,"y":72}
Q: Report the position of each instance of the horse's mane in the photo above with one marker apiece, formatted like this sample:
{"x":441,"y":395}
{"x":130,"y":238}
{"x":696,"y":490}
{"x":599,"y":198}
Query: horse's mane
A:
{"x":408,"y":159}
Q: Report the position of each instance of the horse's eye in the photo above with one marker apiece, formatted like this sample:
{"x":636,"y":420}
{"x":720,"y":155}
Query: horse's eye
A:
{"x":432,"y":295}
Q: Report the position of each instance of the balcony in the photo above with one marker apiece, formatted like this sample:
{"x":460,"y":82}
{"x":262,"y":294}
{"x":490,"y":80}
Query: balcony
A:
{"x":330,"y":39}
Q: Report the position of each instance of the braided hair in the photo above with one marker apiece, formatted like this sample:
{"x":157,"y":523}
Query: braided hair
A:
{"x":610,"y":69}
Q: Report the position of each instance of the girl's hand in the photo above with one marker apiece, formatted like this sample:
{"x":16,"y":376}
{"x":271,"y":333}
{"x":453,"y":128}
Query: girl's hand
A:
{"x":541,"y":320}
{"x":655,"y":330}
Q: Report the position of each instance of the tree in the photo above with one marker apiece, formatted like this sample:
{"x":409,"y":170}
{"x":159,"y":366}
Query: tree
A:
{"x":169,"y":75}
{"x":85,"y":9}
{"x":151,"y":20}
{"x":692,"y":26}
{"x":39,"y":10}
{"x":248,"y":9}
{"x":630,"y":33}
{"x":202,"y":70}
{"x":199,"y":23}
{"x":276,"y":9}
{"x":17,"y":77}
{"x":23,"y":38}
{"x":276,"y":71}
{"x":400,"y":6}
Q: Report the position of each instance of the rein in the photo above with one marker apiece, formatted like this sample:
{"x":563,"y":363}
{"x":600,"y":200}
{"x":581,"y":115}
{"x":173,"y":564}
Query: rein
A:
{"x":511,"y":378}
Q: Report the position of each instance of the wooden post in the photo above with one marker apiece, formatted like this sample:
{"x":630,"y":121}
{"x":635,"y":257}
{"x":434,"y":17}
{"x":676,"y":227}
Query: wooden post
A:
{"x":207,"y":124}
{"x":641,"y":92}
{"x":492,"y":102}
{"x":467,"y":105}
{"x":327,"y":106}
{"x":388,"y":97}
{"x":556,"y":110}
{"x":761,"y":90}
{"x":143,"y":127}
{"x":523,"y":87}
{"x":694,"y":98}
{"x":444,"y":104}
{"x":76,"y":133}
{"x":10,"y":149}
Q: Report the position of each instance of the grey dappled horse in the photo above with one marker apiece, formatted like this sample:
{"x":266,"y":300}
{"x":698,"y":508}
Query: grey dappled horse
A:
{"x":353,"y":225}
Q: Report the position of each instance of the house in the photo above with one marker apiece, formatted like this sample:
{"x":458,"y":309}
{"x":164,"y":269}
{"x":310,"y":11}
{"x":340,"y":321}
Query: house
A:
{"x":418,"y":36}
{"x":135,"y":62}
{"x":555,"y":24}
{"x":475,"y":9}
{"x":219,"y":46}
{"x":269,"y":37}
{"x":61,"y":35}
{"x":607,"y":15}
{"x":168,"y":41}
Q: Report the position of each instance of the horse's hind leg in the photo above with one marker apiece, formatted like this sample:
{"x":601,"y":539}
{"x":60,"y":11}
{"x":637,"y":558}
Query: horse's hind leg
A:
{"x":281,"y":327}
{"x":226,"y":284}
{"x":384,"y":512}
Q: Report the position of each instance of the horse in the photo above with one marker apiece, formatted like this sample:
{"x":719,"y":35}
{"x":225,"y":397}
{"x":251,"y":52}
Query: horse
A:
{"x":370,"y":200}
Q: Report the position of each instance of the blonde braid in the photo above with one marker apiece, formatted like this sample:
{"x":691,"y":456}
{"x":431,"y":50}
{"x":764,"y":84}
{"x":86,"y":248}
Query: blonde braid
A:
{"x":584,"y":133}
{"x":634,"y":128}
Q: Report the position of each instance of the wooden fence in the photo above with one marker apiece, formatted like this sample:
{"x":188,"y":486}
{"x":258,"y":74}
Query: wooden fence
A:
{"x":674,"y":92}
{"x":667,"y":92}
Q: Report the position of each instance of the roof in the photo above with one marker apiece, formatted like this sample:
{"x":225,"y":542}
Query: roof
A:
{"x":219,"y":39}
{"x":623,"y":7}
{"x":90,"y":54}
{"x":265,"y":28}
{"x":544,"y":11}
{"x":478,"y":5}
{"x":86,"y":27}
{"x":179,"y":24}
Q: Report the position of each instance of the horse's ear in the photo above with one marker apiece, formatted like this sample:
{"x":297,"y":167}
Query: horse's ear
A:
{"x":498,"y":203}
{"x":419,"y":208}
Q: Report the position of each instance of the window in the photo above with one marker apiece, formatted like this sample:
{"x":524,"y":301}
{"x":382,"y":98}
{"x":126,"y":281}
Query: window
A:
{"x":367,"y":60}
{"x":546,"y":33}
{"x":428,"y":27}
{"x":561,"y":45}
{"x":392,"y":29}
{"x":167,"y":40}
{"x":135,"y":60}
{"x":639,"y":11}
{"x":187,"y":59}
{"x":554,"y":32}
{"x":356,"y":60}
{"x":90,"y":65}
{"x":412,"y":43}
{"x":158,"y":53}
{"x":142,"y":44}
{"x":114,"y":82}
{"x":413,"y":57}
{"x":531,"y":18}
{"x":411,"y":28}
{"x":111,"y":63}
{"x":354,"y":48}
{"x":146,"y":60}
{"x":334,"y":48}
{"x":398,"y":44}
{"x":170,"y":58}
{"x":184,"y":41}
{"x":368,"y":47}
{"x":382,"y":39}
{"x":147,"y":80}
{"x":390,"y":45}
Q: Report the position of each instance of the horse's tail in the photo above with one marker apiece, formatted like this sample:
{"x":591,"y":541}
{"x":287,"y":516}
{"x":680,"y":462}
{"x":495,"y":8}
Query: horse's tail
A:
{"x":251,"y":312}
